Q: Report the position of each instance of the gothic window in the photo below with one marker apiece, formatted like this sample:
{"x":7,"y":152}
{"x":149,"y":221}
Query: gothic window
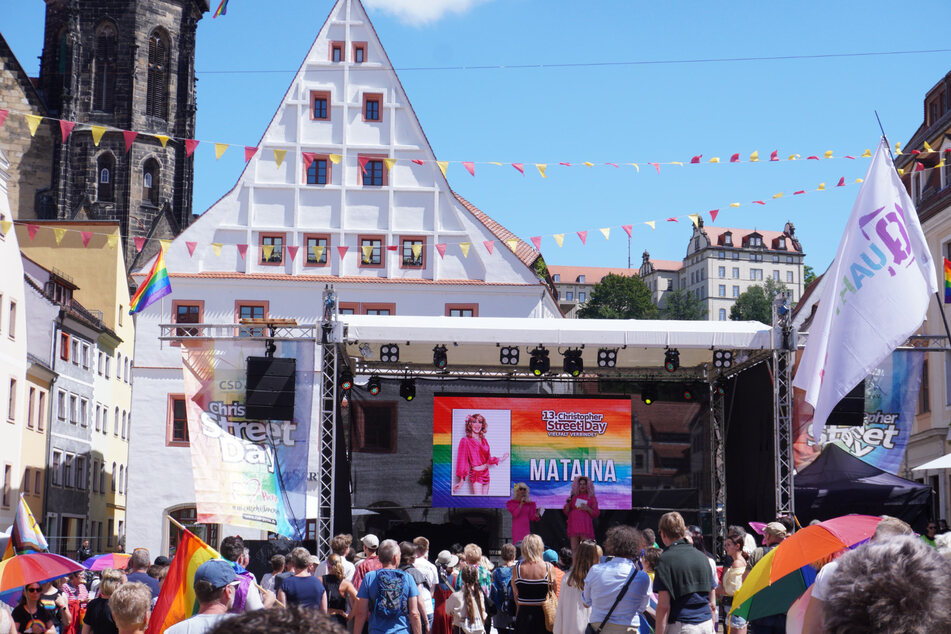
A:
{"x":104,"y":68}
{"x":150,"y":182}
{"x":156,"y":103}
{"x":105,"y":170}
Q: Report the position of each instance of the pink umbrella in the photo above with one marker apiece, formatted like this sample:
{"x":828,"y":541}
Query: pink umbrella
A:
{"x":109,"y":560}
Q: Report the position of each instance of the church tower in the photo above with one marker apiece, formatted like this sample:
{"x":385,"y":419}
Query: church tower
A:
{"x":124,"y":65}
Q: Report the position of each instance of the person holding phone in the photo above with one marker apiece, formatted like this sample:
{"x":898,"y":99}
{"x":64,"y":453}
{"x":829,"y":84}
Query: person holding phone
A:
{"x":581,"y":507}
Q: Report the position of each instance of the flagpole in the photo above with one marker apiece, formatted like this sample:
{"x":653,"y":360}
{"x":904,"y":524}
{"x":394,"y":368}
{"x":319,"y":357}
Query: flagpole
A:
{"x":937,"y":296}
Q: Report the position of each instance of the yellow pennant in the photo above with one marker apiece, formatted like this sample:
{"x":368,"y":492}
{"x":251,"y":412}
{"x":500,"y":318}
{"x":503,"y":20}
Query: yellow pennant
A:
{"x":267,"y":250}
{"x":217,"y":248}
{"x":389,"y":162}
{"x":588,"y":164}
{"x":606,"y":232}
{"x":367,"y":252}
{"x":897,"y":148}
{"x":734,"y":204}
{"x":559,"y":238}
{"x":443,"y":166}
{"x":162,"y":139}
{"x":513,"y":244}
{"x":636,"y":167}
{"x":59,"y":234}
{"x":779,"y":195}
{"x":680,"y":163}
{"x":541,"y":168}
{"x":318,"y":252}
{"x":928,"y":147}
{"x":5,"y":226}
{"x":901,"y":171}
{"x":220,"y":149}
{"x":417,"y":250}
{"x":112,"y":241}
{"x":715,"y":159}
{"x":465,"y":248}
{"x":652,"y":224}
{"x":940,"y":163}
{"x":859,"y":180}
{"x":754,"y":156}
{"x":279,"y":156}
{"x":866,"y":154}
{"x":165,"y":244}
{"x":694,"y":218}
{"x":793,"y":157}
{"x":33,"y":121}
{"x":335,"y":158}
{"x":828,"y":154}
{"x":821,"y":187}
{"x":97,"y":132}
{"x":495,"y":163}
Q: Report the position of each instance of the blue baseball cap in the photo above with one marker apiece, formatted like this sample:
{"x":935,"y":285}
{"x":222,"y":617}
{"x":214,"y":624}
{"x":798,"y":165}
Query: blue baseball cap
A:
{"x":217,"y":572}
{"x":550,"y":556}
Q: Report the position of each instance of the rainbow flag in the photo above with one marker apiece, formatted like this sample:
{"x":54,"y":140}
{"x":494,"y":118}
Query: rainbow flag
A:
{"x":177,"y":600}
{"x":222,"y":9}
{"x":947,"y":281}
{"x":155,"y":286}
{"x":26,"y":536}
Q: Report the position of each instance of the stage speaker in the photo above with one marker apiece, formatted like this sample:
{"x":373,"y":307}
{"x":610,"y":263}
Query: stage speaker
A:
{"x":270,"y":388}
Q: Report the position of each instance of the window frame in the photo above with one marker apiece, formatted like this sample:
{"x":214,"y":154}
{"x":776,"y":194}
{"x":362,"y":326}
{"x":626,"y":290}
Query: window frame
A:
{"x":328,"y":168}
{"x":271,"y":235}
{"x":200,"y":303}
{"x":342,"y":47}
{"x":422,"y":254}
{"x":371,"y":158}
{"x":372,"y":97}
{"x":64,"y":344}
{"x":12,"y":401}
{"x":355,"y":46}
{"x":314,"y":96}
{"x":366,"y":307}
{"x":12,"y":322}
{"x":474,"y":307}
{"x":371,"y":237}
{"x":238,"y":303}
{"x":307,"y":252}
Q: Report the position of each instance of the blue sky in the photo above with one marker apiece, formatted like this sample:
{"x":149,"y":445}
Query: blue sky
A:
{"x":618,"y":113}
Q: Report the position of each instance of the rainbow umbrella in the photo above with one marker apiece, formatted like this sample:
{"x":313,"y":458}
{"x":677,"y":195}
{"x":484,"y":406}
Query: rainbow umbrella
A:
{"x":757,"y":597}
{"x":20,"y":570}
{"x":109,"y":560}
{"x":818,"y":541}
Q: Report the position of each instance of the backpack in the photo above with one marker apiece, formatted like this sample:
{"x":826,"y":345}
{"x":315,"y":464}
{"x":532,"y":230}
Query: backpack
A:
{"x":389,"y":601}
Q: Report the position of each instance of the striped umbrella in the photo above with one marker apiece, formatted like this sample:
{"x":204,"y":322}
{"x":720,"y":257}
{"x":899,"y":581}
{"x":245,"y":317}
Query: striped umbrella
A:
{"x":109,"y":560}
{"x":20,"y":570}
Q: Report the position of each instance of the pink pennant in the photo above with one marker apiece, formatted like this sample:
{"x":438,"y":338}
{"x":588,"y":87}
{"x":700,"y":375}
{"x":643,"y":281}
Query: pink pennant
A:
{"x":627,"y":229}
{"x":342,"y":251}
{"x":488,"y":245}
{"x":537,"y":241}
{"x":129,"y":137}
{"x":191,"y":246}
{"x":841,"y":182}
{"x":243,"y":250}
{"x":86,"y":236}
{"x":419,"y":162}
{"x":735,"y":158}
{"x":612,"y":164}
{"x":470,"y":167}
{"x":696,"y":159}
{"x":31,"y":230}
{"x":916,"y":151}
{"x":584,"y":236}
{"x":249,"y":152}
{"x":758,"y":202}
{"x":801,"y":191}
{"x":713,"y":215}
{"x":565,"y":164}
{"x":774,"y":155}
{"x":292,"y":251}
{"x":849,"y":156}
{"x":3,"y":116}
{"x":310,"y":156}
{"x":812,"y":158}
{"x":66,"y":127}
{"x":190,"y":145}
{"x":139,"y":243}
{"x":392,"y":247}
{"x":520,"y":167}
{"x":919,"y":166}
{"x":442,"y":250}
{"x":672,"y":220}
{"x":363,"y":160}
{"x":656,"y":166}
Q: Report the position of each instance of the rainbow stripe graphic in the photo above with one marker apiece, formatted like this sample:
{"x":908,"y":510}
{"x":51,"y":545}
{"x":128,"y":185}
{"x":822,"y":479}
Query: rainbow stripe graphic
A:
{"x":177,"y":600}
{"x":155,"y":287}
{"x":222,"y":9}
{"x":947,"y":281}
{"x":550,"y":440}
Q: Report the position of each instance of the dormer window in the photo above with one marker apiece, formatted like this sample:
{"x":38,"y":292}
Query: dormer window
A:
{"x":782,"y":243}
{"x":556,"y":277}
{"x":754,"y":240}
{"x":581,"y":279}
{"x":728,"y":239}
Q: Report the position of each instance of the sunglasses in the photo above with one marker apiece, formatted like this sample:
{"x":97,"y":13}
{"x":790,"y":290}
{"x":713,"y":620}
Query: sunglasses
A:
{"x":32,"y":589}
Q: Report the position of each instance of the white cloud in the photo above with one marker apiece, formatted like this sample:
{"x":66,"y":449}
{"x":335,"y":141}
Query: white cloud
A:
{"x":421,"y":12}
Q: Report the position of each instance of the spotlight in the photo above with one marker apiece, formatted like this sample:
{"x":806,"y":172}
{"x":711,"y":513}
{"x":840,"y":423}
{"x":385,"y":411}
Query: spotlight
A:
{"x":508,"y":355}
{"x":408,"y":389}
{"x":346,"y":380}
{"x":648,"y":395}
{"x":722,"y":358}
{"x":390,"y":353}
{"x":671,"y":360}
{"x":366,"y":351}
{"x":720,"y":390}
{"x":687,"y":394}
{"x":540,"y":363}
{"x":439,"y":357}
{"x":607,"y":357}
{"x":374,"y":385}
{"x":574,"y":364}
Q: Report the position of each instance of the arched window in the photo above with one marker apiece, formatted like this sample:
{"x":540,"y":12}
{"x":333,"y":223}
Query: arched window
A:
{"x":104,"y":68}
{"x":156,"y":102}
{"x":150,"y":182}
{"x":113,"y":485}
{"x":105,"y":168}
{"x":121,"y":478}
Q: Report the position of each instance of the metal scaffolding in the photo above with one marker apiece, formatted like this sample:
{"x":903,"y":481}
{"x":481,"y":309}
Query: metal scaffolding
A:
{"x":718,"y":466}
{"x":784,"y":349}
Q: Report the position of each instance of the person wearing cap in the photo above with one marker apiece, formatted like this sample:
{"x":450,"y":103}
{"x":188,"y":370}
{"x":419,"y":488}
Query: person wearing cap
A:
{"x":445,"y":563}
{"x":551,"y":557}
{"x":216,"y":583}
{"x":685,"y":586}
{"x":370,"y":545}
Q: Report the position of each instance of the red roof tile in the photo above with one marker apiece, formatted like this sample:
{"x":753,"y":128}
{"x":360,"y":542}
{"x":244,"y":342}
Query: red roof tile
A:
{"x":523,"y":251}
{"x":714,"y":234}
{"x":282,"y":277}
{"x":592,"y":274}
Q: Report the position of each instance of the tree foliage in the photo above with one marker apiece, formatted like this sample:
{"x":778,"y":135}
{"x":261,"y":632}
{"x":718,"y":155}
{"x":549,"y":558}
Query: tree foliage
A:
{"x":619,"y":297}
{"x":682,"y":304}
{"x":808,"y":275}
{"x":756,"y":303}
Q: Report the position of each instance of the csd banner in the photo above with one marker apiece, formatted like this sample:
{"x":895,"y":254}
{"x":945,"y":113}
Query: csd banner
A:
{"x":483,"y":445}
{"x":247,"y":472}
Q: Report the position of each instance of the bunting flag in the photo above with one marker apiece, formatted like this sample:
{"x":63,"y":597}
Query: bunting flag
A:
{"x":129,"y":137}
{"x":512,"y":244}
{"x":841,"y":182}
{"x":267,"y":250}
{"x":827,"y":154}
{"x":112,"y":240}
{"x":559,"y":239}
{"x":86,"y":236}
{"x":31,"y":231}
{"x":588,"y":164}
{"x":735,"y":158}
{"x":927,"y":147}
{"x":242,"y":250}
{"x":652,"y":224}
{"x":216,"y":247}
{"x":362,"y":161}
{"x":97,"y":132}
{"x":3,"y":116}
{"x":734,"y":204}
{"x":489,"y":245}
{"x":628,"y":229}
{"x":465,"y":248}
{"x":279,"y":156}
{"x":310,"y":157}
{"x":220,"y":149}
{"x":441,"y":249}
{"x":779,"y":195}
{"x":696,"y":159}
{"x":758,"y":202}
{"x":155,"y":286}
{"x":867,"y":154}
{"x":367,"y":252}
{"x":715,"y":159}
{"x":636,"y":167}
{"x":59,"y":232}
{"x":65,"y":127}
{"x":774,"y":155}
{"x":443,"y":166}
{"x":606,"y":232}
{"x":754,"y":157}
{"x":342,"y":251}
{"x":177,"y":601}
{"x":221,"y":10}
{"x":694,"y":218}
{"x":541,"y":169}
{"x":139,"y":243}
{"x":821,"y":187}
{"x":190,"y":145}
{"x":5,"y":226}
{"x":520,"y":167}
{"x":162,"y":139}
{"x":656,"y":166}
{"x":335,"y":158}
{"x":801,"y":191}
{"x":249,"y":152}
{"x":165,"y":244}
{"x":417,"y":250}
{"x":33,"y":121}
{"x":672,"y":219}
{"x":292,"y":252}
{"x":470,"y":167}
{"x":191,"y":246}
{"x":389,"y":162}
{"x":537,"y":241}
{"x":713,"y":215}
{"x":419,"y":162}
{"x":25,"y":534}
{"x":583,"y":235}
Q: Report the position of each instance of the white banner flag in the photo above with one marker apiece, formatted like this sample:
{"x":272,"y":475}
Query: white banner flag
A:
{"x":875,"y":294}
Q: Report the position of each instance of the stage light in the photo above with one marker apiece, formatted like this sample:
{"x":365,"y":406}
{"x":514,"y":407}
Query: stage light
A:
{"x":607,"y":357}
{"x":366,"y":351}
{"x":722,"y":359}
{"x":439,"y":357}
{"x":574,"y":364}
{"x":408,"y":389}
{"x":648,"y":395}
{"x":346,"y":380}
{"x":508,"y":355}
{"x":720,"y":390}
{"x":540,"y":363}
{"x":390,"y":353}
{"x":687,"y":394}
{"x":374,"y":385}
{"x":671,"y":360}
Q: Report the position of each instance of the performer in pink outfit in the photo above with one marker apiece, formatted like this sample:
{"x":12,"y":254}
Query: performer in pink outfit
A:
{"x":474,"y":457}
{"x":580,"y":508}
{"x":523,"y":511}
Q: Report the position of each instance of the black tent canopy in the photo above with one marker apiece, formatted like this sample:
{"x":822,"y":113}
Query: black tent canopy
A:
{"x":838,"y":483}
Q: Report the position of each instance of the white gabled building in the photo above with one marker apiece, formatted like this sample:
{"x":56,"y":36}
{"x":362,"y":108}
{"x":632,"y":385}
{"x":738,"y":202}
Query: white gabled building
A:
{"x":344,"y":165}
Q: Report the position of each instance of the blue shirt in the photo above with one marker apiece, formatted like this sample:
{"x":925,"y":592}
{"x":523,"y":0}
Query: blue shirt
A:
{"x":379,"y":625}
{"x":604,"y":582}
{"x":306,"y":592}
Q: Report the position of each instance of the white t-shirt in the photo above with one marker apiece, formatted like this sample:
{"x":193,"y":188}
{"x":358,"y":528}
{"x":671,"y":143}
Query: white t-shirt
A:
{"x":348,"y":569}
{"x":431,"y":574}
{"x":820,"y":589}
{"x":198,"y":624}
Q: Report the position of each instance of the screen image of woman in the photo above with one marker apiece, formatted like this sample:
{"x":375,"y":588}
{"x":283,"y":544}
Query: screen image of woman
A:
{"x":475,"y":457}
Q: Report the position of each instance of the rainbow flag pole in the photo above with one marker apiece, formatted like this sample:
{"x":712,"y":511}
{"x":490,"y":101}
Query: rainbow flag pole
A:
{"x":947,"y":281}
{"x":222,"y":9}
{"x":155,"y":286}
